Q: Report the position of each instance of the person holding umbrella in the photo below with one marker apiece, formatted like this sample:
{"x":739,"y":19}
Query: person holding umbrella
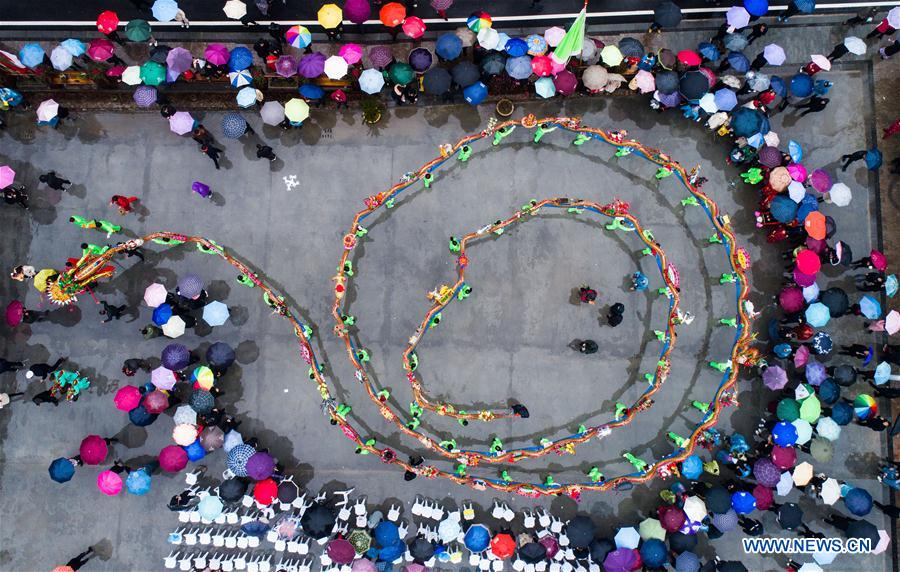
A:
{"x":16,"y":194}
{"x":864,"y":16}
{"x":123,"y":203}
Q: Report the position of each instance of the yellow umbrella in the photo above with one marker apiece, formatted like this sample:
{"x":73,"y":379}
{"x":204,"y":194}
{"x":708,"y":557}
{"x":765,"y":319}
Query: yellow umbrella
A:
{"x":41,"y":278}
{"x":330,"y":16}
{"x":296,"y":110}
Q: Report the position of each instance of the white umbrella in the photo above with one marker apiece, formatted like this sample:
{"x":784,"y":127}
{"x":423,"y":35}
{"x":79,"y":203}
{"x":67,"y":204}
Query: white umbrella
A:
{"x":796,"y":190}
{"x":737,"y":17}
{"x":589,"y":51}
{"x":595,"y":77}
{"x":893,"y":17}
{"x":174,"y":327}
{"x":628,"y":537}
{"x":831,"y":491}
{"x":694,"y":508}
{"x":708,"y":103}
{"x":155,"y":294}
{"x":235,"y":9}
{"x":827,"y":428}
{"x":839,"y":194}
{"x":61,"y":58}
{"x":185,"y":415}
{"x":856,"y":45}
{"x":771,"y":138}
{"x":803,"y":473}
{"x":892,"y":322}
{"x":811,"y":292}
{"x":132,"y":75}
{"x":785,"y":484}
{"x":215,"y":313}
{"x":371,"y":81}
{"x":47,"y":110}
{"x":449,"y":529}
{"x":554,"y":36}
{"x":488,"y":38}
{"x":821,"y":61}
{"x":335,"y":67}
{"x":804,"y":431}
{"x":272,"y":113}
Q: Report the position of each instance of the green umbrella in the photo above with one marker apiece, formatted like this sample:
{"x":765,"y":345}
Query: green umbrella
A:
{"x":138,"y":30}
{"x":153,"y":73}
{"x":810,"y":409}
{"x":401,"y":73}
{"x":652,"y":528}
{"x":821,"y":449}
{"x":360,"y":539}
{"x":573,"y":40}
{"x":788,"y":410}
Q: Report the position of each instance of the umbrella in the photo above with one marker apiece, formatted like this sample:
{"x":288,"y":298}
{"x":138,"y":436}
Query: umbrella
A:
{"x":791,"y":299}
{"x":831,"y":491}
{"x":232,"y":489}
{"x":802,"y":474}
{"x":61,"y":58}
{"x":631,"y":47}
{"x":138,"y":482}
{"x":757,"y":7}
{"x":181,"y":122}
{"x":211,"y":438}
{"x":654,"y":553}
{"x":836,"y":300}
{"x":216,"y":54}
{"x":363,"y":565}
{"x":746,"y":122}
{"x":533,"y":552}
{"x":234,"y":126}
{"x":272,"y":113}
{"x":318,"y":521}
{"x":873,"y":159}
{"x":298,"y":36}
{"x":465,"y":73}
{"x":489,"y":39}
{"x":420,"y":59}
{"x":810,"y":409}
{"x":841,"y":414}
{"x":820,"y":180}
{"x":357,"y":11}
{"x":448,"y":46}
{"x":784,"y":457}
{"x":195,"y":450}
{"x":766,"y":472}
{"x":822,"y":343}
{"x":864,"y":406}
{"x":785,"y":485}
{"x":436,"y":81}
{"x":689,"y":58}
{"x":203,"y":376}
{"x":581,"y":531}
{"x":708,"y":51}
{"x":667,"y":14}
{"x":127,"y":398}
{"x":693,"y":85}
{"x":352,"y":53}
{"x":109,"y":483}
{"x":735,"y":42}
{"x":882,"y":373}
{"x":414,"y":27}
{"x":242,"y":78}
{"x":175,"y":357}
{"x":184,"y":434}
{"x":620,"y":560}
{"x":475,"y":93}
{"x":380,"y":56}
{"x":210,"y":507}
{"x":821,"y":450}
{"x":265,"y":491}
{"x":296,"y":110}
{"x":75,"y":47}
{"x":681,"y":542}
{"x":627,"y":537}
{"x":788,"y":409}
{"x":801,"y":85}
{"x":764,"y":496}
{"x":857,"y":46}
{"x":260,"y":466}
{"x":202,"y":401}
{"x":611,"y":55}
{"x":172,"y":459}
{"x":743,"y":502}
{"x":311,"y":91}
{"x":494,"y":63}
{"x":890,"y":284}
{"x":477,"y":538}
{"x":174,"y":327}
{"x":774,"y":54}
{"x":651,"y":528}
{"x":790,"y":516}
{"x":815,"y":373}
{"x":774,"y":377}
{"x":692,"y":467}
{"x":140,"y":417}
{"x":727,"y":521}
{"x":645,"y":81}
{"x":191,"y":285}
{"x":287,"y":491}
{"x":179,"y":60}
{"x":286,"y":66}
{"x":93,"y":450}
{"x":335,"y":67}
{"x":595,"y":77}
{"x":863,"y":529}
{"x":330,"y":16}
{"x":537,"y":45}
{"x":216,"y":313}
{"x":808,"y":263}
{"x":107,"y":22}
{"x":163,"y":378}
{"x":839,"y":194}
{"x":565,"y":82}
{"x":156,"y":402}
{"x":61,"y":470}
{"x":449,"y":529}
{"x":342,"y":552}
{"x":738,"y":62}
{"x":238,"y":458}
{"x":47,"y":110}
{"x":392,"y":14}
{"x":166,"y":10}
{"x":32,"y":55}
{"x":371,"y":81}
{"x":401,"y":73}
{"x":737,"y":17}
{"x":687,"y":562}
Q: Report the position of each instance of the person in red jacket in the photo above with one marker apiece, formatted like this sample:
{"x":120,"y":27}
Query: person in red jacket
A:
{"x":124,"y":203}
{"x":892,"y":129}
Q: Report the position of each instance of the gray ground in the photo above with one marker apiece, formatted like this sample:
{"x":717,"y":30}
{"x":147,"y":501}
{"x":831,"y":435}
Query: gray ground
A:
{"x":507,"y":341}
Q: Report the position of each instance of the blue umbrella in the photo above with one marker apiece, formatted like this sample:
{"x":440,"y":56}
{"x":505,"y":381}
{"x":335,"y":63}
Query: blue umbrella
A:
{"x":465,"y":73}
{"x":195,"y":451}
{"x":783,"y":209}
{"x":817,"y":314}
{"x":725,"y":99}
{"x":519,"y":68}
{"x":241,"y":78}
{"x":842,"y":413}
{"x":890,"y":285}
{"x":829,"y":392}
{"x":220,"y":355}
{"x":493,"y":64}
{"x":801,"y":85}
{"x":74,"y":47}
{"x":778,"y":86}
{"x":882,"y":373}
{"x":246,"y":97}
{"x":32,"y":55}
{"x":784,"y":434}
{"x":545,"y":87}
{"x":870,"y":307}
{"x":516,"y":47}
{"x":392,"y":552}
{"x":808,"y":204}
{"x":756,"y":7}
{"x":138,"y":482}
{"x":475,"y":93}
{"x":140,"y":417}
{"x":61,"y":470}
{"x":858,"y":501}
{"x":238,"y":457}
{"x":746,"y":122}
{"x":448,"y":46}
{"x":233,"y":125}
{"x":687,"y":562}
{"x":735,"y":42}
{"x":708,"y":51}
{"x":176,"y":357}
{"x":815,"y":372}
{"x":821,"y":343}
{"x":692,"y":467}
{"x":795,"y":151}
{"x":386,"y":533}
{"x":537,"y":45}
{"x":654,"y":553}
{"x":164,"y":10}
{"x":437,"y":81}
{"x":805,"y":6}
{"x":215,"y":313}
{"x":743,"y":502}
{"x":873,"y":159}
{"x":241,"y":58}
{"x":161,"y":314}
{"x":477,"y":538}
{"x":783,"y":350}
{"x":311,"y":91}
{"x":738,"y":62}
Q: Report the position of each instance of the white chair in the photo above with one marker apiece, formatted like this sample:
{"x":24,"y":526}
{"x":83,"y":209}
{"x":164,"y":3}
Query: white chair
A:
{"x":361,"y":521}
{"x":543,"y":518}
{"x":360,"y":507}
{"x":240,"y":561}
{"x":393,"y":513}
{"x":227,"y":565}
{"x":304,"y":565}
{"x":190,"y":537}
{"x":293,"y":547}
{"x":497,"y":565}
{"x":567,"y":566}
{"x":253,"y":565}
{"x":220,"y":519}
{"x":529,"y":568}
{"x":428,"y":509}
{"x":304,"y":547}
{"x":555,"y":567}
{"x":322,"y":541}
{"x":560,"y":555}
{"x":556,"y":526}
{"x":570,"y":554}
{"x":429,"y":564}
{"x":563,"y":539}
{"x":215,"y":562}
{"x":484,"y":565}
{"x":200,"y":561}
{"x":248,"y":501}
{"x":272,"y":535}
{"x":218,"y":538}
{"x":417,"y":506}
{"x":299,"y":501}
{"x":171,"y":561}
{"x":402,"y":528}
{"x":508,"y":514}
{"x":497,"y":510}
{"x":185,"y":564}
{"x":253,"y":541}
{"x":231,"y":518}
{"x":518,"y":565}
{"x":280,"y":545}
{"x":242,"y":542}
{"x":205,"y":538}
{"x":437,"y":512}
{"x":474,"y":559}
{"x":265,"y":564}
{"x":184,"y":516}
{"x":231,"y":540}
{"x":542,"y":566}
{"x":580,"y":568}
{"x":194,"y":516}
{"x":344,"y":513}
{"x":528,"y":519}
{"x":594,"y":567}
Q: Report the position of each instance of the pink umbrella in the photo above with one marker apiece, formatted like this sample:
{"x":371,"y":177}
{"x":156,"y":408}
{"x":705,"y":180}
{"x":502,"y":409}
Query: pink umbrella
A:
{"x":565,"y":82}
{"x":7,"y":176}
{"x":216,"y":54}
{"x":340,"y":551}
{"x":15,"y":311}
{"x":645,"y":81}
{"x":127,"y":398}
{"x":115,"y":71}
{"x":173,"y":458}
{"x":879,"y":260}
{"x":791,"y":299}
{"x":93,"y":450}
{"x":357,"y":11}
{"x":764,"y":497}
{"x":554,"y":36}
{"x":286,"y":66}
{"x":362,"y":564}
{"x":808,"y":262}
{"x":542,"y":66}
{"x":550,"y":543}
{"x":797,"y":172}
{"x":352,"y":53}
{"x":821,"y":180}
{"x":109,"y":483}
{"x":802,"y":279}
{"x":414,"y":27}
{"x":801,"y":357}
{"x":181,"y":123}
{"x":163,"y":378}
{"x":784,"y":457}
{"x":156,"y":402}
{"x":100,"y":49}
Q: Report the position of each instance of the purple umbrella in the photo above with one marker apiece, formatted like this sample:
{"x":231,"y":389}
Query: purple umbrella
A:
{"x":770,"y":157}
{"x":420,"y":59}
{"x":381,"y":56}
{"x":190,"y":286}
{"x":312,"y":65}
{"x":774,"y":54}
{"x":260,"y":466}
{"x":791,"y":299}
{"x":620,"y":560}
{"x":357,"y":11}
{"x":179,"y":60}
{"x":766,"y":473}
{"x":775,"y":377}
{"x":821,"y":180}
{"x":145,"y":95}
{"x":286,"y":66}
{"x":669,"y":99}
{"x":176,"y":357}
{"x":815,"y":373}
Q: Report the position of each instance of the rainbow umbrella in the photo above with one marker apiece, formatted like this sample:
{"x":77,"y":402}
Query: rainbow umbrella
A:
{"x":864,"y":406}
{"x":298,"y":36}
{"x":478,"y":20}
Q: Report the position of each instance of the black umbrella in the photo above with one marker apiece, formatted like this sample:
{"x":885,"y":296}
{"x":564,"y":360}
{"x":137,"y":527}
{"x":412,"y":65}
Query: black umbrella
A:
{"x":680,"y":542}
{"x":731,"y":566}
{"x":631,"y":47}
{"x":790,"y":515}
{"x":842,"y":252}
{"x":693,"y":85}
{"x":159,"y":53}
{"x":600,"y":547}
{"x":667,"y":14}
{"x":845,"y":375}
{"x":533,"y":552}
{"x":465,"y":74}
{"x":581,"y":531}
{"x":318,"y":521}
{"x":830,"y":227}
{"x":220,"y":355}
{"x":232,"y":490}
{"x":493,"y":64}
{"x":718,"y":500}
{"x":437,"y":81}
{"x":863,"y":529}
{"x":287,"y":491}
{"x":836,"y":300}
{"x":141,"y":417}
{"x":667,"y":82}
{"x":420,"y":549}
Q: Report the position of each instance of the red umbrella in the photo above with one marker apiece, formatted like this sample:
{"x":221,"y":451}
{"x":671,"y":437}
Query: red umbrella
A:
{"x":542,"y":66}
{"x":93,"y":450}
{"x":414,"y":27}
{"x":100,"y":49}
{"x":808,"y":262}
{"x":503,"y":546}
{"x":127,"y":398}
{"x":671,"y":517}
{"x":392,"y":14}
{"x":115,"y":71}
{"x":265,"y":491}
{"x":107,"y":21}
{"x":879,"y":261}
{"x":173,"y":458}
{"x":784,"y":457}
{"x":791,"y":299}
{"x":14,"y":313}
{"x":764,"y":497}
{"x":156,"y":402}
{"x":565,"y":82}
{"x":689,"y":58}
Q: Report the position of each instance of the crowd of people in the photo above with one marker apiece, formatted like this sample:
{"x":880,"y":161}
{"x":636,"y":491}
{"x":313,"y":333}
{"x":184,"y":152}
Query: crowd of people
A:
{"x":818,"y":390}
